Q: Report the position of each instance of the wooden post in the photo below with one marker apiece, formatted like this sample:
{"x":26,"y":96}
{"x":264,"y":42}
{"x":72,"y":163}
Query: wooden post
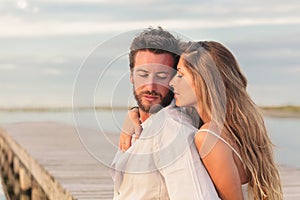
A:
{"x":37,"y":193}
{"x":16,"y":165}
{"x":25,"y":179}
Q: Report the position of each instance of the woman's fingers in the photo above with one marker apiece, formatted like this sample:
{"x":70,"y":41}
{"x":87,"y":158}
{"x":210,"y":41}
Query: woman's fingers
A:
{"x":131,"y":126}
{"x":125,"y":141}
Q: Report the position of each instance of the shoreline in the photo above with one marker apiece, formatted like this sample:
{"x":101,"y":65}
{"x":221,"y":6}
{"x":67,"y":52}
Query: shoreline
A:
{"x":287,"y":111}
{"x":281,"y":113}
{"x":267,"y":111}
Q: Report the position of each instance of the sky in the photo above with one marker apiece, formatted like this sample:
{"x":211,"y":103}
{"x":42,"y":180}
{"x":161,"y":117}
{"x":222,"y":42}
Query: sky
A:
{"x":46,"y":45}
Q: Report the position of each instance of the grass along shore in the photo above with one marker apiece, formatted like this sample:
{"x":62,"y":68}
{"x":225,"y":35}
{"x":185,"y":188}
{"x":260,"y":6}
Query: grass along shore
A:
{"x":288,"y":111}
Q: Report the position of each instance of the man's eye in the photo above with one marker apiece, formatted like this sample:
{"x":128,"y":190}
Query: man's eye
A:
{"x":143,"y":75}
{"x":162,"y":75}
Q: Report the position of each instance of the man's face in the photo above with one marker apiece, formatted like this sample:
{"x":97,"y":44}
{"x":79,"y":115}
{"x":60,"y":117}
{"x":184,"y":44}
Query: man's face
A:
{"x":150,"y":77}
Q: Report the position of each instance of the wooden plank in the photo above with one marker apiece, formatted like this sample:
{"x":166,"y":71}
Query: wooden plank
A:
{"x":60,"y":163}
{"x":290,"y":178}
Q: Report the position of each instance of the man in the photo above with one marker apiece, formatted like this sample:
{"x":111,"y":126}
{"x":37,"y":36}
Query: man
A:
{"x":151,"y":90}
{"x":163,"y":163}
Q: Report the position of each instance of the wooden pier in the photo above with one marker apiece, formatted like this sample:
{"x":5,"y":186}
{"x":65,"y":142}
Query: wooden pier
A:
{"x":46,"y":160}
{"x":51,"y":162}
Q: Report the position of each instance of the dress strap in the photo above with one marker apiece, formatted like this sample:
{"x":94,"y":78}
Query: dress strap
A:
{"x":219,"y":137}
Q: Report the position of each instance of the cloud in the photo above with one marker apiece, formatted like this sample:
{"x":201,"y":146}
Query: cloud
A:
{"x":244,"y":8}
{"x":47,"y":60}
{"x":7,"y":67}
{"x":35,"y":9}
{"x":25,"y":6}
{"x":101,"y":2}
{"x":8,"y":87}
{"x":18,"y":27}
{"x":293,"y":70}
{"x":22,"y":4}
{"x":52,"y":72}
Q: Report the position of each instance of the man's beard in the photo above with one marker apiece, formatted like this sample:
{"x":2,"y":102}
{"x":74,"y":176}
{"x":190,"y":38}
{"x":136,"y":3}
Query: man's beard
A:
{"x":147,"y":108}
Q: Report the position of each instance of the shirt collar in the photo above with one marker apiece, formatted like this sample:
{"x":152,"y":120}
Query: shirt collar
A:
{"x":148,"y":121}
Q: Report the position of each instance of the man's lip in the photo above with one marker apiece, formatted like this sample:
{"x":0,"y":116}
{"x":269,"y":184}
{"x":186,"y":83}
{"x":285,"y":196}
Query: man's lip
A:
{"x":150,"y":97}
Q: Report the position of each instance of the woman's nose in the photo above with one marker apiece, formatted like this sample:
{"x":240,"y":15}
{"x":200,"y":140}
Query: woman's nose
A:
{"x":172,"y":82}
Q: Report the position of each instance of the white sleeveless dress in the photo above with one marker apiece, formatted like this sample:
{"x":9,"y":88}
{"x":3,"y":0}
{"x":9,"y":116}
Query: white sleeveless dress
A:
{"x":246,"y":189}
{"x":247,"y":192}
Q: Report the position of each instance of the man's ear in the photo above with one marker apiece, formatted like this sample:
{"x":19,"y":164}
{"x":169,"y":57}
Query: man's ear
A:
{"x":131,"y":77}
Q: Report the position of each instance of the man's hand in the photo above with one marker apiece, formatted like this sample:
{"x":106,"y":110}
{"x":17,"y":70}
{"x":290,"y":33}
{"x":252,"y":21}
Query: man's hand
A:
{"x":131,"y":128}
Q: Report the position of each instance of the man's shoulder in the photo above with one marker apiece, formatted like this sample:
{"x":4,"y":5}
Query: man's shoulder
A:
{"x":170,"y":118}
{"x":173,"y":114}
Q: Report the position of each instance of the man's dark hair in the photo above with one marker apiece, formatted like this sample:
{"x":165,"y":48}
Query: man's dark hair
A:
{"x":157,"y":41}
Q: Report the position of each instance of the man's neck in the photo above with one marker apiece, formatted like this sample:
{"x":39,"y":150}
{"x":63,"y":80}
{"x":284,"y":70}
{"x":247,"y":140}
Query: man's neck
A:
{"x":144,"y":115}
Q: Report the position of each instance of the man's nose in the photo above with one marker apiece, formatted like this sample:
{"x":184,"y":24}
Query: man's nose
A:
{"x":151,"y":83}
{"x":151,"y":86}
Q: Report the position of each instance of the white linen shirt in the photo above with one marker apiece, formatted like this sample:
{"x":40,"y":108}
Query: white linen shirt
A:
{"x":163,"y":163}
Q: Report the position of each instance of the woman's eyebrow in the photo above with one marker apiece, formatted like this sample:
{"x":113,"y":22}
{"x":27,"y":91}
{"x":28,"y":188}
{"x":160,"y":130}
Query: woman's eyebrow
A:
{"x":179,"y":69}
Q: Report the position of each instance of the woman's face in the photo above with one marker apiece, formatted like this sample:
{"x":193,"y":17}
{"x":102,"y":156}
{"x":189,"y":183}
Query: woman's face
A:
{"x":184,"y":89}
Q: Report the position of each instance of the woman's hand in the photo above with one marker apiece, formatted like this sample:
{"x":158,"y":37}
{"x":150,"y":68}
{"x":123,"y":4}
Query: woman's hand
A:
{"x":131,"y":129}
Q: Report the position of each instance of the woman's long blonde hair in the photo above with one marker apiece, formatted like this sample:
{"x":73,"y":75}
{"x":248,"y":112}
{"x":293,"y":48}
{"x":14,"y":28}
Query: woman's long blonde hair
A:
{"x":229,"y":105}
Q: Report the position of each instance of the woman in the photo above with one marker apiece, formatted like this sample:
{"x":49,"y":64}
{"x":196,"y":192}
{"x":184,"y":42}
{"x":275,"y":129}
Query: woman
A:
{"x":209,"y":79}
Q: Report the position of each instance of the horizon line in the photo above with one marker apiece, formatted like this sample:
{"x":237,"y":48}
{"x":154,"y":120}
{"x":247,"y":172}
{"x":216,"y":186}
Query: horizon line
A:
{"x":287,"y":107}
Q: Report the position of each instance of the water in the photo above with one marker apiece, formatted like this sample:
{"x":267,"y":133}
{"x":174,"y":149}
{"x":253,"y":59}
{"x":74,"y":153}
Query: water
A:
{"x":2,"y":195}
{"x":284,"y":132}
{"x":110,"y":121}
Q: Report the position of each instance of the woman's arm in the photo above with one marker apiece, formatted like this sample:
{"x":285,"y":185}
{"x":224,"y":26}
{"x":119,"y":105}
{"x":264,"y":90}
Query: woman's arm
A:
{"x":132,"y":125}
{"x":218,"y":160}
